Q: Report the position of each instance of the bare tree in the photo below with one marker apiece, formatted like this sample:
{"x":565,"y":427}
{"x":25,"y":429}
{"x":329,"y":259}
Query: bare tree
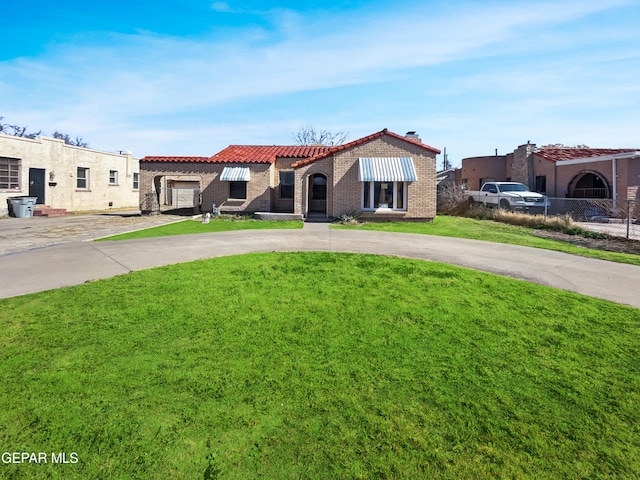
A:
{"x":308,"y":135}
{"x":4,"y":127}
{"x":451,"y":200}
{"x":16,"y":130}
{"x":77,"y":142}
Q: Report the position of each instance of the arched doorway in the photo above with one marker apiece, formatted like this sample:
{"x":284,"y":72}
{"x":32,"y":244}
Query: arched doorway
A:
{"x":589,"y":185}
{"x":317,"y":193}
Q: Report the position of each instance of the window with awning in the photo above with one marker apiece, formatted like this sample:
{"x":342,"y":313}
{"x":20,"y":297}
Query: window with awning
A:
{"x":384,"y":182}
{"x":387,"y":169}
{"x":235,"y":174}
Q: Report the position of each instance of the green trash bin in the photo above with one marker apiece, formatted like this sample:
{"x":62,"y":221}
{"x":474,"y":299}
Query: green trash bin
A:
{"x":23,"y":206}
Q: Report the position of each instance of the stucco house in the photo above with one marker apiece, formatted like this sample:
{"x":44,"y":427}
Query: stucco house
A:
{"x":65,"y":177}
{"x":571,"y":172}
{"x":383,"y":175}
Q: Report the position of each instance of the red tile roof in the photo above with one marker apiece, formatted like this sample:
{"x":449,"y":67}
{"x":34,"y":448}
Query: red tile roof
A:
{"x":339,"y":148}
{"x":264,"y":153}
{"x":567,"y":153}
{"x":175,"y":159}
{"x":269,"y":153}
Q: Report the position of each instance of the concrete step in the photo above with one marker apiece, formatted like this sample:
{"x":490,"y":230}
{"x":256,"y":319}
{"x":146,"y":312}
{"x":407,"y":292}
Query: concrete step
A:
{"x":318,"y":218}
{"x":50,"y":212}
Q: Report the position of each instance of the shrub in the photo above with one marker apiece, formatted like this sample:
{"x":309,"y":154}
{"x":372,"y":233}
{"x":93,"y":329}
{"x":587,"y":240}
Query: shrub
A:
{"x":452,"y":200}
{"x":348,"y":218}
{"x":558,"y":223}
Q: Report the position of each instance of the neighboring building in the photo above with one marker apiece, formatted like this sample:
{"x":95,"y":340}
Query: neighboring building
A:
{"x":448,"y":178}
{"x":571,"y":172}
{"x":383,"y":175}
{"x":66,"y":177}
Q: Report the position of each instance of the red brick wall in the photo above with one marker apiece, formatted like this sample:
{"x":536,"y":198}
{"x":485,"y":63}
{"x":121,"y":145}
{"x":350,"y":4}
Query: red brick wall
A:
{"x":633,"y":186}
{"x":476,"y":168}
{"x":546,"y":168}
{"x":565,"y":174}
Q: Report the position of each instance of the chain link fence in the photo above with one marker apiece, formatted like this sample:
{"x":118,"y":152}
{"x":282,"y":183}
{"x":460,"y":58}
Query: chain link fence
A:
{"x":618,"y":218}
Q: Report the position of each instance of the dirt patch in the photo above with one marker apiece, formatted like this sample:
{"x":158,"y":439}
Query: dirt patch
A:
{"x":610,"y":245}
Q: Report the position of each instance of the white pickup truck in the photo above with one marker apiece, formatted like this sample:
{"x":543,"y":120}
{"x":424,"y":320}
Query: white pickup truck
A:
{"x":509,"y":196}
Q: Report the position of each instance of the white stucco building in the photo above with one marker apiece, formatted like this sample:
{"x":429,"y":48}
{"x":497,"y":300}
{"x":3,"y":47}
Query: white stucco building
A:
{"x":66,"y":177}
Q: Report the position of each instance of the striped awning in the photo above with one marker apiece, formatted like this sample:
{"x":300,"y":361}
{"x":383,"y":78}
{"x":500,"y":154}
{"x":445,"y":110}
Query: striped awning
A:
{"x":235,"y":174}
{"x":387,"y":169}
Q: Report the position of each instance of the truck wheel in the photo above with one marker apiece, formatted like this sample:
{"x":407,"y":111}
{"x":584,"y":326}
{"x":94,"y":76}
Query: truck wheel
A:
{"x":504,"y":205}
{"x":472,"y":202}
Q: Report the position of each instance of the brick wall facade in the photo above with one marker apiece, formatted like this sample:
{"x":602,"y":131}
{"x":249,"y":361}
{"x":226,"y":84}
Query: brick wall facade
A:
{"x":568,"y":175}
{"x":475,"y":169}
{"x":282,"y":204}
{"x":303,"y":176}
{"x":633,"y":186}
{"x":259,"y":188}
{"x":547,"y":169}
{"x":344,"y":190}
{"x":524,"y":166}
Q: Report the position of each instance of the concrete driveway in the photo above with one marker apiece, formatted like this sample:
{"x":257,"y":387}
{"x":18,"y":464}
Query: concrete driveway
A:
{"x":77,"y":261}
{"x":20,"y":234}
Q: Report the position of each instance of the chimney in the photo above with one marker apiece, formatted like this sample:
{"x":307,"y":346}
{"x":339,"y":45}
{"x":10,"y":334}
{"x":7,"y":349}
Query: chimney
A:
{"x":413,"y":136}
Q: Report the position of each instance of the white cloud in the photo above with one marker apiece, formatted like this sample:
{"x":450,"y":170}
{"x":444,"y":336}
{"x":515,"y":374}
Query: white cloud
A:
{"x":221,"y":7}
{"x":130,"y":78}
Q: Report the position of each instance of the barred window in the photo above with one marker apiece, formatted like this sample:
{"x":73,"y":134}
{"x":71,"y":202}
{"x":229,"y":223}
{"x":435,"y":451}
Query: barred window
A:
{"x":9,"y":173}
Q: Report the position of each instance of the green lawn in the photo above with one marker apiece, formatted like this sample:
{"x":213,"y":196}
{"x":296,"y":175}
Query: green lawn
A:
{"x":319,"y":365}
{"x":490,"y":231}
{"x":221,"y":224}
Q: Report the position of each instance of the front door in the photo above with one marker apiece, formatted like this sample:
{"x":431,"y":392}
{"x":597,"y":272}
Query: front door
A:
{"x":36,"y":184}
{"x":317,"y":193}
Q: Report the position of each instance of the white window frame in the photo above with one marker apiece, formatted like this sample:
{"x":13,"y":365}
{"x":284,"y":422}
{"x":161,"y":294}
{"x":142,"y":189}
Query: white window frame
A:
{"x":84,"y":178}
{"x":113,"y":177}
{"x":136,"y":181}
{"x":394,"y":207}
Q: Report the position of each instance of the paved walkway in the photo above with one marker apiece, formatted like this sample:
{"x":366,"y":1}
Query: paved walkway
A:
{"x":78,"y":261}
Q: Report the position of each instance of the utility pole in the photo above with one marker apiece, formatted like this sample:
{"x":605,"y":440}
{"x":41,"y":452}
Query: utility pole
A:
{"x":445,"y":160}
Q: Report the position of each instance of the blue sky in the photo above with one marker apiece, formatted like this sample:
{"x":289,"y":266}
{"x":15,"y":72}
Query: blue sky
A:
{"x":191,"y":77}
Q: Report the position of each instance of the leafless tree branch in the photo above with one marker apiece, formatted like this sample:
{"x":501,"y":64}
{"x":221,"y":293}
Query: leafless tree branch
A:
{"x":308,"y":135}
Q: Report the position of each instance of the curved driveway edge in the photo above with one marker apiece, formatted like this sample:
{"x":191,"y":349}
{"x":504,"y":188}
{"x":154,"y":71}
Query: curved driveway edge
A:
{"x":79,"y":262}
